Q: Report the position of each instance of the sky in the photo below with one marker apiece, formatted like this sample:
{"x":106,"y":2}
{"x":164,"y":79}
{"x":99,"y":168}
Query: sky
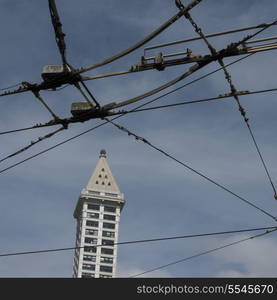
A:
{"x":163,"y":198}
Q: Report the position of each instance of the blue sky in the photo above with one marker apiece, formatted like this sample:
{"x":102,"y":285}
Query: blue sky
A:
{"x":162,"y":198}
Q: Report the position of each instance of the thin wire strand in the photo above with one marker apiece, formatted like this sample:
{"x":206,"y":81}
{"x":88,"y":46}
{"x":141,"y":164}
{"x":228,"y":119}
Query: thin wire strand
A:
{"x":224,"y":96}
{"x":102,"y":124}
{"x":10,"y":87}
{"x":141,"y":241}
{"x":33,"y":143}
{"x":152,"y":35}
{"x":233,"y":89}
{"x":151,"y":101}
{"x":190,"y":168}
{"x":203,"y":253}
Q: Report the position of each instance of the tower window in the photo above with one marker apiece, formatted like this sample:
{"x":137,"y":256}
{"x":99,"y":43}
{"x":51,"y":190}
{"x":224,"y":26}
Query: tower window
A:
{"x":106,"y":176}
{"x":103,"y":183}
{"x":93,"y":215}
{"x":96,"y":182}
{"x":109,"y":225}
{"x":109,"y":217}
{"x":106,"y":269}
{"x":107,"y":251}
{"x":90,"y":249}
{"x":108,"y":242}
{"x":108,"y":234}
{"x":88,"y":275}
{"x":110,"y":208}
{"x":92,"y":223}
{"x":88,"y":267}
{"x":103,"y":170}
{"x":91,"y":232}
{"x":90,"y":240}
{"x":109,"y":183}
{"x":89,"y":258}
{"x":100,"y":176}
{"x":93,"y":206}
{"x":106,"y":260}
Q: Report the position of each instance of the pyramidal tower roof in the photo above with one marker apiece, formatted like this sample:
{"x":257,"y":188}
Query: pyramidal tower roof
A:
{"x":102,"y":178}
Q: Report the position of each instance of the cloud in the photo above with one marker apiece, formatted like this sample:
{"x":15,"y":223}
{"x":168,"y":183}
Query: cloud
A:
{"x":125,"y":271}
{"x":254,"y":258}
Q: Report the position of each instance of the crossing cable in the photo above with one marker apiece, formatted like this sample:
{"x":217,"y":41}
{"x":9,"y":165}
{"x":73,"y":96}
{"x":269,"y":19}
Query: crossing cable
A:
{"x":32,"y":143}
{"x":207,"y":36}
{"x":144,"y":41}
{"x":93,"y":128}
{"x":139,"y":138}
{"x":38,"y":96}
{"x":10,"y":87}
{"x":188,"y":73}
{"x":204,"y":253}
{"x":233,"y":89}
{"x":151,"y":101}
{"x":58,"y":30}
{"x":141,"y":241}
{"x":222,"y":96}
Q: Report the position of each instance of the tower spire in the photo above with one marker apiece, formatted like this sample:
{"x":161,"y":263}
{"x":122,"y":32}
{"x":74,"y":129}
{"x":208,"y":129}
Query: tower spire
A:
{"x":102,"y":179}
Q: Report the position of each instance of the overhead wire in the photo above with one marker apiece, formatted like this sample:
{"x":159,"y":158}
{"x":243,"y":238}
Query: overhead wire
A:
{"x":139,"y":138}
{"x":208,"y":36}
{"x":168,"y":238}
{"x":10,"y":87}
{"x":123,"y":113}
{"x":223,"y":96}
{"x":228,"y":77}
{"x":203,"y":253}
{"x":32,"y":143}
{"x":143,"y":41}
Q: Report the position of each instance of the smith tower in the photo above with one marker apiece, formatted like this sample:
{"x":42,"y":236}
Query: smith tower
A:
{"x":98,"y":213}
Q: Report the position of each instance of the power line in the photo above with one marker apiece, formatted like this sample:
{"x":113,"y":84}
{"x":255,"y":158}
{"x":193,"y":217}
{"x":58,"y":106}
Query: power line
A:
{"x":93,"y":128}
{"x":223,"y":96}
{"x":144,"y":41}
{"x":151,"y":101}
{"x":53,"y":147}
{"x":10,"y":87}
{"x":142,"y":241}
{"x":208,"y":36}
{"x":32,"y":143}
{"x":203,"y":253}
{"x":228,"y":77}
{"x":190,"y":168}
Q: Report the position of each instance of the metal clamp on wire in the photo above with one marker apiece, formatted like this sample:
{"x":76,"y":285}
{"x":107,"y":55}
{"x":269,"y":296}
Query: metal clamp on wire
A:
{"x":159,"y":61}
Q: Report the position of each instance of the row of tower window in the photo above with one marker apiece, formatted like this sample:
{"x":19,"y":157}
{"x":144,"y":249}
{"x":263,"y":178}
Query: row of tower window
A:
{"x":90,"y":267}
{"x":94,"y":232}
{"x":92,"y":249}
{"x":106,"y":208}
{"x":94,"y":241}
{"x":96,"y":224}
{"x":92,"y":275}
{"x":105,"y":217}
{"x":104,"y":260}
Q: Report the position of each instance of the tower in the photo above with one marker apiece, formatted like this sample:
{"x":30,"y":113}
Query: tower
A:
{"x":98,"y":213}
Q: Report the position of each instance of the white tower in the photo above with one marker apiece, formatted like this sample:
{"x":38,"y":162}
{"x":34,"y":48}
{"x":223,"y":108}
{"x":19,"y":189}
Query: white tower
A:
{"x":98,"y":213}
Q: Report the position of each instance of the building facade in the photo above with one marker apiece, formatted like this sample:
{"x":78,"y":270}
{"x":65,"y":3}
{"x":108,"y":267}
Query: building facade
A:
{"x":98,"y":214}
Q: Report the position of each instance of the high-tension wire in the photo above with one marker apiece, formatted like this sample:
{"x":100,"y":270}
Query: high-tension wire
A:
{"x":144,"y":41}
{"x":136,"y":109}
{"x":228,"y":77}
{"x":93,"y":128}
{"x":203,"y":253}
{"x":139,"y":138}
{"x":141,"y":241}
{"x":223,"y":96}
{"x":57,"y":25}
{"x":32,"y":143}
